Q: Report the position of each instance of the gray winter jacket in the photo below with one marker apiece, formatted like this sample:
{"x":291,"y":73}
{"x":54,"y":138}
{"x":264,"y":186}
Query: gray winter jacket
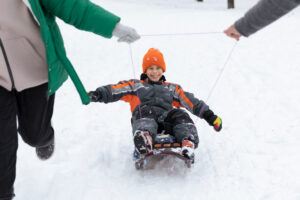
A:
{"x":162,"y":96}
{"x":262,"y":14}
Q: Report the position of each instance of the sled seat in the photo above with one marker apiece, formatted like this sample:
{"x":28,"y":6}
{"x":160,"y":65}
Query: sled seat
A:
{"x":166,"y":145}
{"x":163,"y":145}
{"x":165,"y":141}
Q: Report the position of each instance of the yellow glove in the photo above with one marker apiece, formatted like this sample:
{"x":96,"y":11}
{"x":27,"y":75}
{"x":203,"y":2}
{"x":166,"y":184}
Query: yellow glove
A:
{"x":217,"y":124}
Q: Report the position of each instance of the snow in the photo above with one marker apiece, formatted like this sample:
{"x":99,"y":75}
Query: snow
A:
{"x":254,"y":157}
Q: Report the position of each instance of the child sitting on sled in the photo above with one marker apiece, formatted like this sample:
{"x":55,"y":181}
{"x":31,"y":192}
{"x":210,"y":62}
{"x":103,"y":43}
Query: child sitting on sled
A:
{"x":155,"y":106}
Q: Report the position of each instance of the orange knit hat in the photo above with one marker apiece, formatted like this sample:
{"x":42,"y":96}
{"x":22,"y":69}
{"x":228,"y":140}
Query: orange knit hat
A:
{"x":153,"y":57}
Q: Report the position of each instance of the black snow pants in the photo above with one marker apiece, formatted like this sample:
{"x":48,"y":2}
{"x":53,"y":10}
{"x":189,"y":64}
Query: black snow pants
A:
{"x":32,"y":110}
{"x":177,"y":123}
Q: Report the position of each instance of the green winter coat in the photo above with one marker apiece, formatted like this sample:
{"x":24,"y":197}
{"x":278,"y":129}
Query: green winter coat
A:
{"x":83,"y":15}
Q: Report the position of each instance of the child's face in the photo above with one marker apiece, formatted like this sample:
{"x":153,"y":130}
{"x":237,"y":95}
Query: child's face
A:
{"x":154,"y":73}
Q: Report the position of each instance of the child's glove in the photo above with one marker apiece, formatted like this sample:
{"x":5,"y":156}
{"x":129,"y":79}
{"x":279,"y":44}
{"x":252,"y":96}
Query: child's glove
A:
{"x":125,"y":33}
{"x":213,"y":119}
{"x":217,"y":124}
{"x":95,"y":96}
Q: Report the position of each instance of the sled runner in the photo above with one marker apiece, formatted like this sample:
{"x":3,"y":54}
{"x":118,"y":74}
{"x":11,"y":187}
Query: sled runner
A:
{"x":163,"y":147}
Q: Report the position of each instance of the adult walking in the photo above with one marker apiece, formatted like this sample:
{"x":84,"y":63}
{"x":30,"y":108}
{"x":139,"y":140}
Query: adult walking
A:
{"x":33,"y":66}
{"x":262,"y":14}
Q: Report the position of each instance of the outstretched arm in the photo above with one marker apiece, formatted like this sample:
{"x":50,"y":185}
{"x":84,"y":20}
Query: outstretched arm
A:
{"x":83,"y":14}
{"x":198,"y":108}
{"x":87,"y":16}
{"x":262,"y":14}
{"x":115,"y":92}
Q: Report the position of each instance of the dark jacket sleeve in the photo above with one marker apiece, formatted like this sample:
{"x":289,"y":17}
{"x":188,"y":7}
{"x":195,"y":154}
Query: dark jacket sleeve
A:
{"x":262,"y":14}
{"x":194,"y":105}
{"x":83,"y":14}
{"x":190,"y":102}
{"x":119,"y":91}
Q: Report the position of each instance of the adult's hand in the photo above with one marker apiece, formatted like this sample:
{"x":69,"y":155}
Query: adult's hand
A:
{"x":125,"y":33}
{"x":232,"y":32}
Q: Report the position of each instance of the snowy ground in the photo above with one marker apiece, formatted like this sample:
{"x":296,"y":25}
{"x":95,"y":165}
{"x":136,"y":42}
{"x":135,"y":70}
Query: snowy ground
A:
{"x":255,"y":157}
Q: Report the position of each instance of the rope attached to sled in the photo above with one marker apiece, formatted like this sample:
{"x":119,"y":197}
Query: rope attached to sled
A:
{"x":137,"y":94}
{"x":216,"y":82}
{"x":221,"y":72}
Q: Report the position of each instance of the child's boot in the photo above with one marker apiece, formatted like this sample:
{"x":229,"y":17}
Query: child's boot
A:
{"x":142,"y":141}
{"x":187,"y":149}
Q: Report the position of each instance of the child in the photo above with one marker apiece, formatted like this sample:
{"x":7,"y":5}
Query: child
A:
{"x":155,"y":106}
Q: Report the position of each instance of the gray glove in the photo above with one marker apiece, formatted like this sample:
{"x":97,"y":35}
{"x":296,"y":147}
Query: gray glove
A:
{"x":125,"y":33}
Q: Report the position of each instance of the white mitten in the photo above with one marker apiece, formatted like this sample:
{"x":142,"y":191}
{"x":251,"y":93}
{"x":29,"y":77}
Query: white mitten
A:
{"x":125,"y":33}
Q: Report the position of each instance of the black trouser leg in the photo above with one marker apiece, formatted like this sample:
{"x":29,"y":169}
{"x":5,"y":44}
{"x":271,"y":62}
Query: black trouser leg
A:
{"x":35,"y":111}
{"x":179,"y":124}
{"x":8,"y":143}
{"x":145,"y":119}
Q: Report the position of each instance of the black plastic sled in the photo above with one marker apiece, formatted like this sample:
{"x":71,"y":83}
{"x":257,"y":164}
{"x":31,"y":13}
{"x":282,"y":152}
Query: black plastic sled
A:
{"x":164,"y":146}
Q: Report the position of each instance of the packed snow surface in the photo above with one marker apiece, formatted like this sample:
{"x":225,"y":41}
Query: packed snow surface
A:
{"x":255,"y":90}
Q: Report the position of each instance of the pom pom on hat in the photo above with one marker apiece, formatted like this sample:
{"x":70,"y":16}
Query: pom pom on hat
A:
{"x":153,"y":57}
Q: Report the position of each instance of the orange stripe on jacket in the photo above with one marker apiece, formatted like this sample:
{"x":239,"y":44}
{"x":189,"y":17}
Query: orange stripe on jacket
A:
{"x":176,"y":104}
{"x":181,"y":93}
{"x":122,"y":85}
{"x":133,"y":100}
